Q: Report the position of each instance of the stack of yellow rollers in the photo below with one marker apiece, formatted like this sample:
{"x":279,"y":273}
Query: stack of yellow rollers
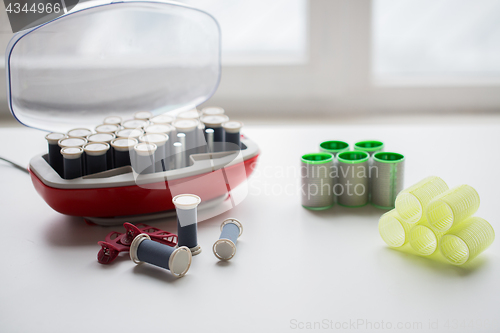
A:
{"x":432,"y":217}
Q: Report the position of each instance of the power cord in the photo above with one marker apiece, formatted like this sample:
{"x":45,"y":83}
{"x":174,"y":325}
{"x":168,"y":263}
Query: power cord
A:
{"x":15,"y":165}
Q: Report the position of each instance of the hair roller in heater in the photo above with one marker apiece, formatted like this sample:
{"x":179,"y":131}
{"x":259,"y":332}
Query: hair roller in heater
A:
{"x":212,"y":111}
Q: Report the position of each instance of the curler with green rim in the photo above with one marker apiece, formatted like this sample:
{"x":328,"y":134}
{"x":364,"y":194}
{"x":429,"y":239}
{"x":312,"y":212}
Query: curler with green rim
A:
{"x":369,"y":146}
{"x":412,"y":202}
{"x":452,"y":207}
{"x":333,"y":147}
{"x":467,"y":240}
{"x":386,"y":178}
{"x":317,"y":182}
{"x":352,"y":187}
{"x":394,"y":231}
{"x":424,"y":239}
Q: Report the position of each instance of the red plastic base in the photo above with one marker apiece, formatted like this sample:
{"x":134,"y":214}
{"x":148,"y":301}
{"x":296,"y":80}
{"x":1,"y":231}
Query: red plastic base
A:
{"x":133,"y":200}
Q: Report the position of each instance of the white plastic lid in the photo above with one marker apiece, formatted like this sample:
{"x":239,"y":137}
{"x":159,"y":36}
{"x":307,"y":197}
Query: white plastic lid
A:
{"x":186,"y":201}
{"x":72,"y":152}
{"x":123,"y":144}
{"x":180,"y":261}
{"x":96,"y":148}
{"x":232,"y":221}
{"x":79,"y":133}
{"x":72,"y":142}
{"x":232,"y":126}
{"x":54,"y":137}
{"x":214,"y":121}
{"x":212,"y":111}
{"x":134,"y":123}
{"x":112,"y":120}
{"x":185,"y":125}
{"x":129,"y":133}
{"x":224,"y":249}
{"x":158,"y":139}
{"x":101,"y":137}
{"x":162,"y":119}
{"x":160,"y":128}
{"x":145,"y":148}
{"x":191,"y":114}
{"x":143,"y":115}
{"x":111,"y":59}
{"x":107,"y":128}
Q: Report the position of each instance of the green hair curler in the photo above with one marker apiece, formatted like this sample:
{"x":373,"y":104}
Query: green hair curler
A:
{"x":370,"y":146}
{"x":317,"y":183}
{"x":412,"y":202}
{"x":467,"y":240}
{"x":386,"y":179}
{"x":333,"y":147}
{"x":452,"y":207}
{"x":353,"y":174}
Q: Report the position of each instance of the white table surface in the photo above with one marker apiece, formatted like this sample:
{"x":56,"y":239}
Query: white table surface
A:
{"x":293,"y":267}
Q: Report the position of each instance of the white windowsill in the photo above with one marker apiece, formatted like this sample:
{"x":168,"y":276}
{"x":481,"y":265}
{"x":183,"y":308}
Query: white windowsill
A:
{"x":265,"y":60}
{"x":435,"y":81}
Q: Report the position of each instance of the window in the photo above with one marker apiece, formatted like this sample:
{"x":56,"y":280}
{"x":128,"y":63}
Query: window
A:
{"x":259,"y":31}
{"x":436,"y":38}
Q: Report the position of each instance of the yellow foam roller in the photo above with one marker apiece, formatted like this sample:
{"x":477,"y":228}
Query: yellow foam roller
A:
{"x":412,"y":202}
{"x":452,"y":207}
{"x":465,"y":241}
{"x":393,"y":230}
{"x":424,"y":239}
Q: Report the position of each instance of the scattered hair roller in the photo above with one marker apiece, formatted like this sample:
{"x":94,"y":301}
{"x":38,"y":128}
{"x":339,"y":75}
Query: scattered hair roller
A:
{"x":424,"y":239}
{"x":225,"y":247}
{"x":187,"y":217}
{"x":393,"y":229}
{"x":467,"y":240}
{"x":452,"y":207}
{"x":412,"y":202}
{"x":176,"y":260}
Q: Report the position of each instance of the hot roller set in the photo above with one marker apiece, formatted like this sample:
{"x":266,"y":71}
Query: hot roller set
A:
{"x":125,"y":133}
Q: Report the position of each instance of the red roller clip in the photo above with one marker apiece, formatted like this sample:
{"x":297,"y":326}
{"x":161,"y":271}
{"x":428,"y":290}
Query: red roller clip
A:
{"x":116,"y":242}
